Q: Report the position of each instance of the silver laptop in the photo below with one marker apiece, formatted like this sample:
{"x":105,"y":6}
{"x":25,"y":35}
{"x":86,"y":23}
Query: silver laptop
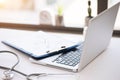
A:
{"x":97,"y":39}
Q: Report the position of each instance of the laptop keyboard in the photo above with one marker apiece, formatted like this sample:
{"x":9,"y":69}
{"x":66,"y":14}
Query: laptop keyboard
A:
{"x":71,"y":58}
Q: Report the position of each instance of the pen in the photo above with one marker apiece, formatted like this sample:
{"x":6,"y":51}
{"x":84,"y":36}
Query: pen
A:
{"x":61,"y":51}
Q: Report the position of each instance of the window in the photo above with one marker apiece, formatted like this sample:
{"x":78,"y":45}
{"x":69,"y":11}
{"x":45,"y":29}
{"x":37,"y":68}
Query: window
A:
{"x":18,"y":11}
{"x":28,"y":11}
{"x":74,"y":11}
{"x":16,"y":4}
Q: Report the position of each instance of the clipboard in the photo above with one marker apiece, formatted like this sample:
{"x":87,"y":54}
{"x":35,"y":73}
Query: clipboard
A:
{"x":41,"y":45}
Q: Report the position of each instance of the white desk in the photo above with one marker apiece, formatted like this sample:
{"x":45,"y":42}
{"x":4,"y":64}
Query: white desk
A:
{"x":104,"y":67}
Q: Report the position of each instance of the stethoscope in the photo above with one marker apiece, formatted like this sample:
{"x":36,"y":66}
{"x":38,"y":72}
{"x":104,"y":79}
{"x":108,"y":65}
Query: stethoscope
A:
{"x":8,"y":73}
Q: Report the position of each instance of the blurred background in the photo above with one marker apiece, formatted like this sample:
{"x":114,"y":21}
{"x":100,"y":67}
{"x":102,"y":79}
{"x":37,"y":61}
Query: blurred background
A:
{"x":28,"y":11}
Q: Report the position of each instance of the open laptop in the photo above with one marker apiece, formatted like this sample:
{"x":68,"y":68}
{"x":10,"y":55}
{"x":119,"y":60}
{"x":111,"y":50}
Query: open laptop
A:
{"x":97,"y":39}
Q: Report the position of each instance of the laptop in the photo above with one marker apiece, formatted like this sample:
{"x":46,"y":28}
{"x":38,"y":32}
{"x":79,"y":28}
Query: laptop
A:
{"x":97,"y":39}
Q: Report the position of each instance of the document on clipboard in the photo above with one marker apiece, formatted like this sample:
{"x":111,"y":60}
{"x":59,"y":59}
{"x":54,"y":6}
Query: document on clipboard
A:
{"x":41,"y":45}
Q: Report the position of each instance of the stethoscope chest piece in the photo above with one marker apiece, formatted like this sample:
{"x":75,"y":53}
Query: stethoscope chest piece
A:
{"x":8,"y":75}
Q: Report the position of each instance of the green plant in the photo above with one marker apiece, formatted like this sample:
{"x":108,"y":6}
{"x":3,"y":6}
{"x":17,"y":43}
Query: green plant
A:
{"x":89,"y":9}
{"x":60,"y":10}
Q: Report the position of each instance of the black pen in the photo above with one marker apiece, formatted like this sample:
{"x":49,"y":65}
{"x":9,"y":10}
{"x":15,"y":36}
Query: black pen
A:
{"x":61,"y":51}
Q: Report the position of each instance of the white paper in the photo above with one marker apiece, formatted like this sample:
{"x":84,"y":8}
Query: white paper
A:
{"x":40,"y":43}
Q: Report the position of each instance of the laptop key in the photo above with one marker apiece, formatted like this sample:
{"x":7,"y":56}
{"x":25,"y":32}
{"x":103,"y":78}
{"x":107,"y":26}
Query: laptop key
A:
{"x":71,"y":58}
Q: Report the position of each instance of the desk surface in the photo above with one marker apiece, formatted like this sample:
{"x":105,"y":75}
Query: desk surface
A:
{"x":105,"y":67}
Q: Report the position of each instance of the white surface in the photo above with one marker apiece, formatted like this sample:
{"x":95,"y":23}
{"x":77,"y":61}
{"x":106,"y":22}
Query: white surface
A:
{"x":104,"y":67}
